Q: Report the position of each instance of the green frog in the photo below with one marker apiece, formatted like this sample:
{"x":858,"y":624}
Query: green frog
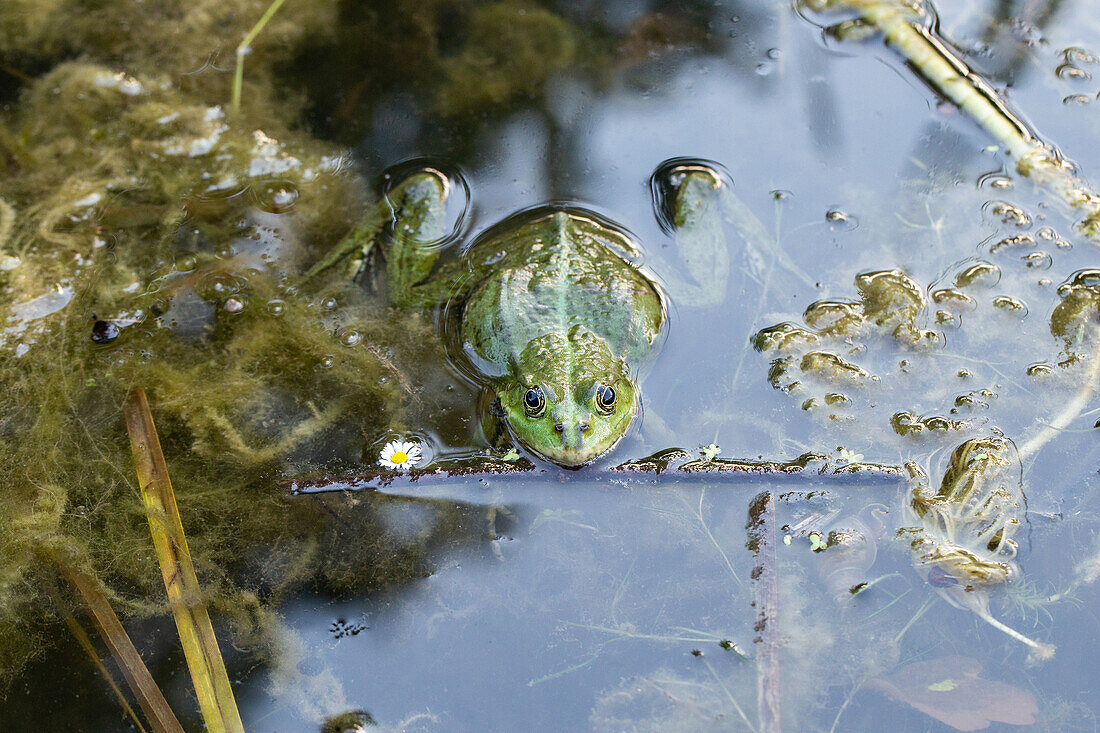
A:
{"x":552,"y":309}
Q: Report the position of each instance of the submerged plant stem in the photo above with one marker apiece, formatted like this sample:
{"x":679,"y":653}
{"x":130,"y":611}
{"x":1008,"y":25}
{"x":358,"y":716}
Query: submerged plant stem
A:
{"x":148,"y":694}
{"x":245,"y":48}
{"x":729,"y":695}
{"x":943,"y":69}
{"x":1039,"y":650}
{"x":81,"y":637}
{"x":1069,"y":413}
{"x":7,"y":222}
{"x":200,"y":647}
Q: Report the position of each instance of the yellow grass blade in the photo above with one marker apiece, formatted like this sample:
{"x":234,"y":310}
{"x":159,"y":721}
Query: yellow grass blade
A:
{"x":204,"y":659}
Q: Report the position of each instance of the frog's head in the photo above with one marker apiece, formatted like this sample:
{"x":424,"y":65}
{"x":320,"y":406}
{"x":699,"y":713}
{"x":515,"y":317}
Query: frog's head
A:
{"x":569,"y":399}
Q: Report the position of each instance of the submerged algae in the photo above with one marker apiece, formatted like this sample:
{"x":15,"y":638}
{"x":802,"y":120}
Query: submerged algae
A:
{"x":137,"y":203}
{"x":186,"y":233}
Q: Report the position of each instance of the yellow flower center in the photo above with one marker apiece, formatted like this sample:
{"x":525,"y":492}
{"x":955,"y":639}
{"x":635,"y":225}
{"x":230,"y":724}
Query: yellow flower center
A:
{"x":398,"y":457}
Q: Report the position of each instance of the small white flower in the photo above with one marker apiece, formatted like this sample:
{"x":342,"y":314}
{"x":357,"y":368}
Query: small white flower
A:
{"x":400,"y":454}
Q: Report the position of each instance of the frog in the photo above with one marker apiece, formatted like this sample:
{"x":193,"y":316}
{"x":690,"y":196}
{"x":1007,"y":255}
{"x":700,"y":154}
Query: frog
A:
{"x":553,"y":309}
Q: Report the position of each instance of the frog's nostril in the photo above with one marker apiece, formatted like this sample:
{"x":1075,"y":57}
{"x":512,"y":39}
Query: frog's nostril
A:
{"x":559,"y":427}
{"x":584,"y":427}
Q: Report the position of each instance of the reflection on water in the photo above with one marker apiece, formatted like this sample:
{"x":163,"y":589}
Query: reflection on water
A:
{"x":927,"y":294}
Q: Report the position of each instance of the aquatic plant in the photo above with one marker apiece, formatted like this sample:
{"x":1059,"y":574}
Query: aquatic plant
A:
{"x":166,"y":254}
{"x":200,"y":647}
{"x":963,"y":546}
{"x":910,"y":29}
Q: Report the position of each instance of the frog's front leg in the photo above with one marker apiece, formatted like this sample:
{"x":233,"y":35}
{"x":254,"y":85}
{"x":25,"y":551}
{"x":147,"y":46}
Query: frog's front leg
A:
{"x":419,"y":220}
{"x":696,"y":214}
{"x":416,"y":208}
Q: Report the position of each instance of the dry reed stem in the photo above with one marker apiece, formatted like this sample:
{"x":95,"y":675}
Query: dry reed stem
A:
{"x":86,"y":644}
{"x":148,"y":694}
{"x":200,"y":647}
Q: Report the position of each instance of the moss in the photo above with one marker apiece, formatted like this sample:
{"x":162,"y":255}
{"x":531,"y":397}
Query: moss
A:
{"x":139,"y":206}
{"x":194,"y":40}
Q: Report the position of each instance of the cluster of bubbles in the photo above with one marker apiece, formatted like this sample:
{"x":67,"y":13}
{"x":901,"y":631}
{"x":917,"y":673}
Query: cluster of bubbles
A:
{"x":1073,"y":69}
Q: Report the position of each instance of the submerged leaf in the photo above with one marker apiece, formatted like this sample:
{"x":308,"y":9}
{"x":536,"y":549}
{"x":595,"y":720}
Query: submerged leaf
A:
{"x":950,"y":690}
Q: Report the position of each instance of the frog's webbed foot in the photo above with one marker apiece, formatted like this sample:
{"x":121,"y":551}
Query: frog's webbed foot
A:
{"x":693,"y":207}
{"x":494,"y":430}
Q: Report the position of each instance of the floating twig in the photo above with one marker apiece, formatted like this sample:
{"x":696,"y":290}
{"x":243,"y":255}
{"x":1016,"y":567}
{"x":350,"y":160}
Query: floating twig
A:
{"x":765,"y":596}
{"x":664,"y":466}
{"x":200,"y":647}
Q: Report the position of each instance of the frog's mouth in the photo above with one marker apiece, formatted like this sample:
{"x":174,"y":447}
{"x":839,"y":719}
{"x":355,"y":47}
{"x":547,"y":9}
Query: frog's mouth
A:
{"x":576,"y":449}
{"x":573,"y":458}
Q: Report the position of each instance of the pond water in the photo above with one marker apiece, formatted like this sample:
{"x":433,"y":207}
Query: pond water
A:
{"x":554,"y":600}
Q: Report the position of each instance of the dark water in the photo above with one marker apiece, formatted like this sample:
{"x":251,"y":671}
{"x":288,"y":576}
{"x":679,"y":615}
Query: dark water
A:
{"x":567,"y":603}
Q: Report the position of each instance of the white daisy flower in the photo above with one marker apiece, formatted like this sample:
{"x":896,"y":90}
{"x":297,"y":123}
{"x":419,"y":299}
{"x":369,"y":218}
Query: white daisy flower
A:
{"x":400,"y":454}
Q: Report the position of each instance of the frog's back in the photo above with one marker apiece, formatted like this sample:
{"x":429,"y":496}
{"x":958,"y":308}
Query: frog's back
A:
{"x":552,"y":272}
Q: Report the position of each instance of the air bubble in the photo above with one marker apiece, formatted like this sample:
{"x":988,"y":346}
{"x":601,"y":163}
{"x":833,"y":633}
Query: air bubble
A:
{"x":1040,"y":369}
{"x":1017,"y":241}
{"x":980,"y":273}
{"x":350,"y":337}
{"x":1075,"y":53}
{"x":1072,"y":73}
{"x":185,"y":262}
{"x":1007,"y":213}
{"x":1038,"y":260}
{"x":275,"y":197}
{"x":841,"y":220}
{"x":995,"y":179}
{"x":1010,"y":305}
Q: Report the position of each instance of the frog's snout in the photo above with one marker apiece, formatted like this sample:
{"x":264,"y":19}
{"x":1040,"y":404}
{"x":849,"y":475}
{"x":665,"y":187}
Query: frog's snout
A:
{"x":573,"y":432}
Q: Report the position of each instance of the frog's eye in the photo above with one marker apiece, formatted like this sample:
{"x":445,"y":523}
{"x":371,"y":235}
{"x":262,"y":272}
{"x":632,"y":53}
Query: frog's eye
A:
{"x":605,"y":399}
{"x":534,"y":402}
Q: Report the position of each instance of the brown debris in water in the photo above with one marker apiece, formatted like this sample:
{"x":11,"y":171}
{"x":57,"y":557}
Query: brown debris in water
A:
{"x":950,"y":690}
